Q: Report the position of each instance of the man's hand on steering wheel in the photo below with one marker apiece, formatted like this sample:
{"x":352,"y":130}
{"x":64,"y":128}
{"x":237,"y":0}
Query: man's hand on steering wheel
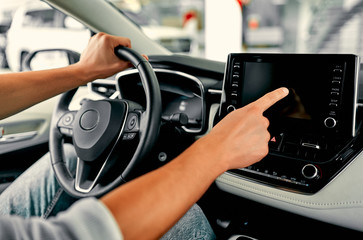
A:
{"x":99,"y":59}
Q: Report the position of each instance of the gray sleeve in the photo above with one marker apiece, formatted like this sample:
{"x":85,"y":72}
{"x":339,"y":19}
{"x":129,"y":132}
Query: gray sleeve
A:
{"x":86,"y":219}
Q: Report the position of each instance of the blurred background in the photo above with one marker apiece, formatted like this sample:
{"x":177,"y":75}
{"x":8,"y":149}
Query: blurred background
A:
{"x":203,"y":28}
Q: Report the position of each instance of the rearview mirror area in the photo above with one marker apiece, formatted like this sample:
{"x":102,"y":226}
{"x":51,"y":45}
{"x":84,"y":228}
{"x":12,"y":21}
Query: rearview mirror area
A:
{"x":49,"y":58}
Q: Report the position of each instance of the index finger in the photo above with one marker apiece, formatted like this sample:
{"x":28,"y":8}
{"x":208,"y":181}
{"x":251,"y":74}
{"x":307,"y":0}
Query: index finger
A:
{"x":271,"y":98}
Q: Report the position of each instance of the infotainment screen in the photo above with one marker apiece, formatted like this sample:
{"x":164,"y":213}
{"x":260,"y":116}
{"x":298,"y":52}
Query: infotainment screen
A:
{"x":306,"y":88}
{"x":322,"y":88}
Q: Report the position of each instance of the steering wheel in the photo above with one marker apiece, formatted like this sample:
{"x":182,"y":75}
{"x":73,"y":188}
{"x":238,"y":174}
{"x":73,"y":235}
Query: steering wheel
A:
{"x":103,"y":133}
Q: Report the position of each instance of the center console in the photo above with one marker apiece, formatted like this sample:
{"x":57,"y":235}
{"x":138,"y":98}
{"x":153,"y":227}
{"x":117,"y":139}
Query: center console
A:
{"x":314,"y":130}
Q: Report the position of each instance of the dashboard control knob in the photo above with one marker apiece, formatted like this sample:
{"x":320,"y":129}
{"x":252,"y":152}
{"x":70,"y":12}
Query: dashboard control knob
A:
{"x":231,"y":108}
{"x":330,"y":122}
{"x":310,"y":171}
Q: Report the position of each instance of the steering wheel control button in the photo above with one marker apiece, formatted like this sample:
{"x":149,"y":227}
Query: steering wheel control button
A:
{"x":132,"y":122}
{"x":128,"y":136}
{"x":310,"y":171}
{"x":67,"y":119}
{"x":89,"y":120}
{"x":66,"y":131}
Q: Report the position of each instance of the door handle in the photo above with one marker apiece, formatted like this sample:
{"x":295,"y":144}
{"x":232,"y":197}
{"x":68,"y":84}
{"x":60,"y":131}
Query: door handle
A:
{"x":10,"y":138}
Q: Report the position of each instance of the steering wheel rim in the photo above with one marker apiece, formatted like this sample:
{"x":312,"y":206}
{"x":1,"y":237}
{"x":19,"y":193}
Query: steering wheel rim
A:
{"x":148,"y":131}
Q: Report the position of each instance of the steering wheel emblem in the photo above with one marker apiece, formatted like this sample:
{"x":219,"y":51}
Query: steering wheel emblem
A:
{"x":89,"y":120}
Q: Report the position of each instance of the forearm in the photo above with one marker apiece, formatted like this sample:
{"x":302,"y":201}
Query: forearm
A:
{"x":148,"y":206}
{"x":22,"y":90}
{"x":19,"y":91}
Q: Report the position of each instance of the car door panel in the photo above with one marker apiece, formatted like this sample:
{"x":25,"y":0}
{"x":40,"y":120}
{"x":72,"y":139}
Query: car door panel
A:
{"x":24,"y":140}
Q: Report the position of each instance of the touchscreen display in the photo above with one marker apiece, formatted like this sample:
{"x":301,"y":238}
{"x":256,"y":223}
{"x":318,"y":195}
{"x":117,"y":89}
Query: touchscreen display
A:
{"x":323,"y":90}
{"x":307,"y":86}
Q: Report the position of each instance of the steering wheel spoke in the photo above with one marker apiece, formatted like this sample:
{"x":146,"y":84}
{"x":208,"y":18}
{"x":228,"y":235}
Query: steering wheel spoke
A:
{"x":88,"y":175}
{"x":132,"y":126}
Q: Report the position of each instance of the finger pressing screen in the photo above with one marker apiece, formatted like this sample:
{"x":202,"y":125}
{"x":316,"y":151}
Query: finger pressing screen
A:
{"x":271,"y":98}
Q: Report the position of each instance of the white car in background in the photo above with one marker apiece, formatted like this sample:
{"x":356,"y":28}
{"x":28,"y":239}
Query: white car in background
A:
{"x":46,"y":28}
{"x":37,"y":26}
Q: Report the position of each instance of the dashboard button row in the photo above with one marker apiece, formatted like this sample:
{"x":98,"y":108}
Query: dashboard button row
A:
{"x":275,"y":175}
{"x":307,"y":147}
{"x":335,"y":94}
{"x":234,"y":86}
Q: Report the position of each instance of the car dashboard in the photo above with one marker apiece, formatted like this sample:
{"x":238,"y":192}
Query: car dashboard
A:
{"x":313,"y":168}
{"x":188,"y":91}
{"x":183,"y":102}
{"x":195,"y":97}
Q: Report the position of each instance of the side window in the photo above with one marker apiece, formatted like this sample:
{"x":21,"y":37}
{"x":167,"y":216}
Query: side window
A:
{"x":32,"y":28}
{"x":36,"y":26}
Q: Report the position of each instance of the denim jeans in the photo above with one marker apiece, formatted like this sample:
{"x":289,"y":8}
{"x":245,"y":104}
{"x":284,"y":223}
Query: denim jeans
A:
{"x":36,"y":193}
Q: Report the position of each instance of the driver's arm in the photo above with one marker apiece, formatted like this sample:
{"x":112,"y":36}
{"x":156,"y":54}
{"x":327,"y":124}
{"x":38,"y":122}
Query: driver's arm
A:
{"x":19,"y":91}
{"x":147,"y":207}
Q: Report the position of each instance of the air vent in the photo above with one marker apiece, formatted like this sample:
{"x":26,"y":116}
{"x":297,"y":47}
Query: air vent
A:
{"x":105,"y":88}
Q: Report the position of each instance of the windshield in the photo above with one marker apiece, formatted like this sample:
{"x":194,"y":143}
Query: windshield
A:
{"x":280,"y":26}
{"x":202,"y":28}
